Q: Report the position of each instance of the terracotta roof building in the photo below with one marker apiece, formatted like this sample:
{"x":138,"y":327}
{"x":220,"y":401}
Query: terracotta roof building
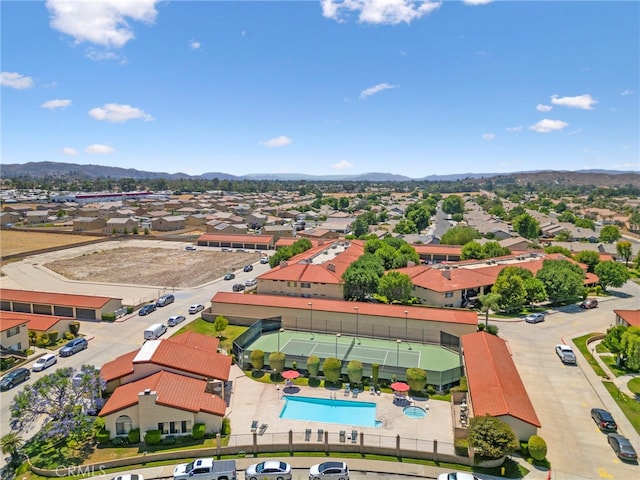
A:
{"x":628,"y":318}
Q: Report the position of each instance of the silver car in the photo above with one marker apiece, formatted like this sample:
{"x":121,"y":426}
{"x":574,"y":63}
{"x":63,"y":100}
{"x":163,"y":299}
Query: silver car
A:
{"x":271,"y":469}
{"x":334,"y":470}
{"x":175,"y":320}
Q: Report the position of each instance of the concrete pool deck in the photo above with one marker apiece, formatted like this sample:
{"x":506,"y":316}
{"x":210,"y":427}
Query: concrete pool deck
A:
{"x":252,"y":400}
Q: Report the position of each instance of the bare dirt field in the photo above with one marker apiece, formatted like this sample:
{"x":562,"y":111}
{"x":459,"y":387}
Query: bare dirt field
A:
{"x":13,"y":242}
{"x":164,"y":267}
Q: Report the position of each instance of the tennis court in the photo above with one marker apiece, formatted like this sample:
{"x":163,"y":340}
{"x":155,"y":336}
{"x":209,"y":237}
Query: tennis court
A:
{"x":443,"y":366}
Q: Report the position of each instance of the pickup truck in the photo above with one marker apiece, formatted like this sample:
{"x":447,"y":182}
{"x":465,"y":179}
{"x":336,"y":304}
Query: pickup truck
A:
{"x":206,"y":469}
{"x":565,"y":352}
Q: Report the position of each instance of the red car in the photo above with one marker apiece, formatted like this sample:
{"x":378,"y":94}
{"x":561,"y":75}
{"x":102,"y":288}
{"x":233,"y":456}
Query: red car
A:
{"x":589,"y":303}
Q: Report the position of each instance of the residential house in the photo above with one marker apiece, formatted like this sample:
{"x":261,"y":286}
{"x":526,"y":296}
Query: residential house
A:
{"x":85,"y":224}
{"x":169,"y":223}
{"x":627,"y":318}
{"x":9,"y":218}
{"x":120,"y":225}
{"x":35,"y":217}
{"x":14,"y":335}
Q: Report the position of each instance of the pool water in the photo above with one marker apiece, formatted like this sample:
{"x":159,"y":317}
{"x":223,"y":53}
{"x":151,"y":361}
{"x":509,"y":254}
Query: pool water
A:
{"x":414,"y":412}
{"x":346,"y":412}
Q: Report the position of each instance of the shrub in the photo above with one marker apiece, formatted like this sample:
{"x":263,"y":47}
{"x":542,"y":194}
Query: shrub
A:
{"x":524,"y":449}
{"x":119,"y":441}
{"x":537,"y":448}
{"x":74,"y":328}
{"x":169,"y":440}
{"x":108,"y":317}
{"x":491,"y":437}
{"x":257,"y":359}
{"x":134,"y":435}
{"x":331,"y":368}
{"x":277,"y":360}
{"x":43,"y":340}
{"x":33,"y":337}
{"x":53,"y":336}
{"x":313,"y":366}
{"x":294,"y":365}
{"x":198,"y":431}
{"x":492,"y":329}
{"x":461,"y":446}
{"x":375,"y":372}
{"x":417,"y":379}
{"x":226,"y":426}
{"x":354,"y":370}
{"x":152,"y":437}
{"x":102,"y":437}
{"x":68,"y":336}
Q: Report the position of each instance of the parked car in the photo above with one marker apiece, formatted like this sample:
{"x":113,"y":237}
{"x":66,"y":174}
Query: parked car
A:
{"x":251,"y":282}
{"x":457,"y":476}
{"x":267,"y":470}
{"x":534,"y":318}
{"x":603,"y":419}
{"x":264,"y":260}
{"x":622,"y":446}
{"x":175,"y":320}
{"x":230,"y":276}
{"x":132,"y":476}
{"x":74,"y":346}
{"x":165,"y":300}
{"x":195,"y":308}
{"x":238,"y":287}
{"x":190,"y":248}
{"x":44,"y":362}
{"x":335,"y":470}
{"x":206,"y":469}
{"x":147,"y":309}
{"x":565,"y":352}
{"x":14,"y":377}
{"x":247,"y":268}
{"x":589,"y":303}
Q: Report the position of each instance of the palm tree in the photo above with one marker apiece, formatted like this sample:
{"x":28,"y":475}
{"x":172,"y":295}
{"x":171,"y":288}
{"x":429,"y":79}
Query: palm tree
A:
{"x":11,"y":442}
{"x":490,"y":301}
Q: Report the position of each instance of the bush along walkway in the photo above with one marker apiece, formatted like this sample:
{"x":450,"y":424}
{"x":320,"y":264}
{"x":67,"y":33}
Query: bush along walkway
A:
{"x":622,"y":381}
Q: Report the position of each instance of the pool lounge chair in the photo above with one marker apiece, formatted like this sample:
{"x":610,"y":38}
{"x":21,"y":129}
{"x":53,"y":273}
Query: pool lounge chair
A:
{"x":307,"y":434}
{"x":355,"y":393}
{"x":343,"y":436}
{"x":320,"y":434}
{"x":354,"y":436}
{"x":254,"y":425}
{"x":263,"y":428}
{"x":347,"y":389}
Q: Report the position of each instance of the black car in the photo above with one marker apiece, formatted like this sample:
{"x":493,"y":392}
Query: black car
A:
{"x":238,"y":287}
{"x":15,"y":377}
{"x":603,"y":419}
{"x":147,"y":309}
{"x":230,"y":276}
{"x":622,"y":446}
{"x":248,"y":268}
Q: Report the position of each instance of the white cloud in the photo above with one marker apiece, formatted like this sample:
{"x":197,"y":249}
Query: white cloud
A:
{"x":515,"y":129}
{"x":280,"y":141}
{"x":195,"y":45}
{"x":546,"y":126}
{"x":584,"y":102}
{"x":100,"y":55}
{"x":367,"y":92}
{"x":341,"y":165}
{"x":69,"y":151}
{"x":476,"y":2}
{"x":15,"y":80}
{"x":58,"y":103}
{"x":103,"y":22}
{"x":544,"y":108}
{"x":114,"y":112}
{"x":389,"y":12}
{"x":99,"y":149}
{"x":489,"y":136}
{"x":627,"y":92}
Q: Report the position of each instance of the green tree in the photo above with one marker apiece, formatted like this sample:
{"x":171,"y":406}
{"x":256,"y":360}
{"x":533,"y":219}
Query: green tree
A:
{"x":563,"y":281}
{"x":613,"y":340}
{"x":634,"y":220}
{"x":313,"y":366}
{"x":491,"y":438}
{"x":420,"y":217}
{"x":257,"y":359}
{"x":472,"y":251}
{"x":534,"y":290}
{"x":623,"y":248}
{"x":630,"y":344}
{"x":493,"y":249}
{"x":361,"y":278}
{"x":332,"y":367}
{"x":510,"y":287}
{"x":611,"y":274}
{"x":526,"y":226}
{"x":354,"y":371}
{"x":219,"y":324}
{"x":558,"y":249}
{"x":585,"y":223}
{"x":277,"y":361}
{"x":459,"y":235}
{"x":405,"y":227}
{"x":453,"y":204}
{"x":489,"y":301}
{"x":537,"y":447}
{"x":417,"y":379}
{"x":589,"y":258}
{"x":11,"y":443}
{"x":359,"y":227}
{"x":395,"y":286}
{"x":609,"y":234}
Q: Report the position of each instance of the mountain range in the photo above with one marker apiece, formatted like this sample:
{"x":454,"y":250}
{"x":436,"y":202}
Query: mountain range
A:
{"x":58,"y":169}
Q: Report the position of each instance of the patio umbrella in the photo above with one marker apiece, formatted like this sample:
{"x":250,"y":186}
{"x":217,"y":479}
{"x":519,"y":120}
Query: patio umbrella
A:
{"x":400,"y":387}
{"x":290,"y":374}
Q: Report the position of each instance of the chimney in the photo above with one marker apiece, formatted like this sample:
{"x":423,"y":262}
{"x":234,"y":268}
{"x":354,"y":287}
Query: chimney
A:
{"x":446,"y":273}
{"x":331,"y":267}
{"x":284,"y":263}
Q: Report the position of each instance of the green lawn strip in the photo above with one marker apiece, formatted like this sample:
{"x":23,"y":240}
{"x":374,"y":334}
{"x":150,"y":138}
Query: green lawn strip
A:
{"x":610,"y":362}
{"x":581,"y":343}
{"x":629,"y":406}
{"x":634,"y":385}
{"x":600,"y":348}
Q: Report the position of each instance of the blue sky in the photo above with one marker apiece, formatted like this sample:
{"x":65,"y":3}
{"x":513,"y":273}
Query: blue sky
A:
{"x":398,"y":86}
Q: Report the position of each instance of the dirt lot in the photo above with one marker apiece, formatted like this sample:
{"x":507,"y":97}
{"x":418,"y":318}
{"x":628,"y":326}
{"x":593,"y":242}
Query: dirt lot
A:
{"x":165,"y":267}
{"x":13,"y":242}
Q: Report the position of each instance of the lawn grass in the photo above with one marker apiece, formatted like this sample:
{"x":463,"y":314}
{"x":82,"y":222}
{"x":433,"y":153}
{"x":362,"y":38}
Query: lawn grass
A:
{"x":581,"y":343}
{"x":629,"y":406}
{"x":634,"y":385}
{"x":610,"y":362}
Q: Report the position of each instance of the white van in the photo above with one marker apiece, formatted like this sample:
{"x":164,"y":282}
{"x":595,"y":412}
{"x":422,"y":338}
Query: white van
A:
{"x":44,"y":361}
{"x":155,"y":331}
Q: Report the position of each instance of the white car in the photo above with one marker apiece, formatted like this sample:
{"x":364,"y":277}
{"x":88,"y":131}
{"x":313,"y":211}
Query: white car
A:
{"x":271,"y":469}
{"x":44,"y":362}
{"x":196,"y":308}
{"x":251,"y":282}
{"x":457,"y":476}
{"x":133,"y":476}
{"x":334,"y":470}
{"x":565,"y":352}
{"x":534,"y":318}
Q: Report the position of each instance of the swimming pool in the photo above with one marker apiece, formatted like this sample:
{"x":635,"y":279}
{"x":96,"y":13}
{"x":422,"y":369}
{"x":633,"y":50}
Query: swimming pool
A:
{"x":346,"y":412}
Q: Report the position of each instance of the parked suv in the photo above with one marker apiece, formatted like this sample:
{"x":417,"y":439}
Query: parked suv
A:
{"x":74,"y":346}
{"x":165,"y":300}
{"x":15,"y":377}
{"x":603,"y":419}
{"x":206,"y":469}
{"x":589,"y":303}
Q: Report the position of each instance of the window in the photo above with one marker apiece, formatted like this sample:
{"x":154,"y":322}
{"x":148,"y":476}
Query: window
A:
{"x":123,"y":425}
{"x":13,"y":331}
{"x":163,"y":428}
{"x":448,"y":294}
{"x":305,"y":285}
{"x":292,"y":284}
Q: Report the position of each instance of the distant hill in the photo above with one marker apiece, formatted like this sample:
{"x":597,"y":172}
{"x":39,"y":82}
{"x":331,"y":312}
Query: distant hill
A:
{"x":608,"y":178}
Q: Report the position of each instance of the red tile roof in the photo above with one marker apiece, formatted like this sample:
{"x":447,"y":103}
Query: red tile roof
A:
{"x":431,"y":314}
{"x":118,"y":367}
{"x":173,"y":390}
{"x":632,"y":317}
{"x":9,"y":323}
{"x":196,"y":340}
{"x":49,"y":298}
{"x":494,"y":382}
{"x":286,"y":241}
{"x":437,"y":249}
{"x":436,"y":279}
{"x":221,"y":237}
